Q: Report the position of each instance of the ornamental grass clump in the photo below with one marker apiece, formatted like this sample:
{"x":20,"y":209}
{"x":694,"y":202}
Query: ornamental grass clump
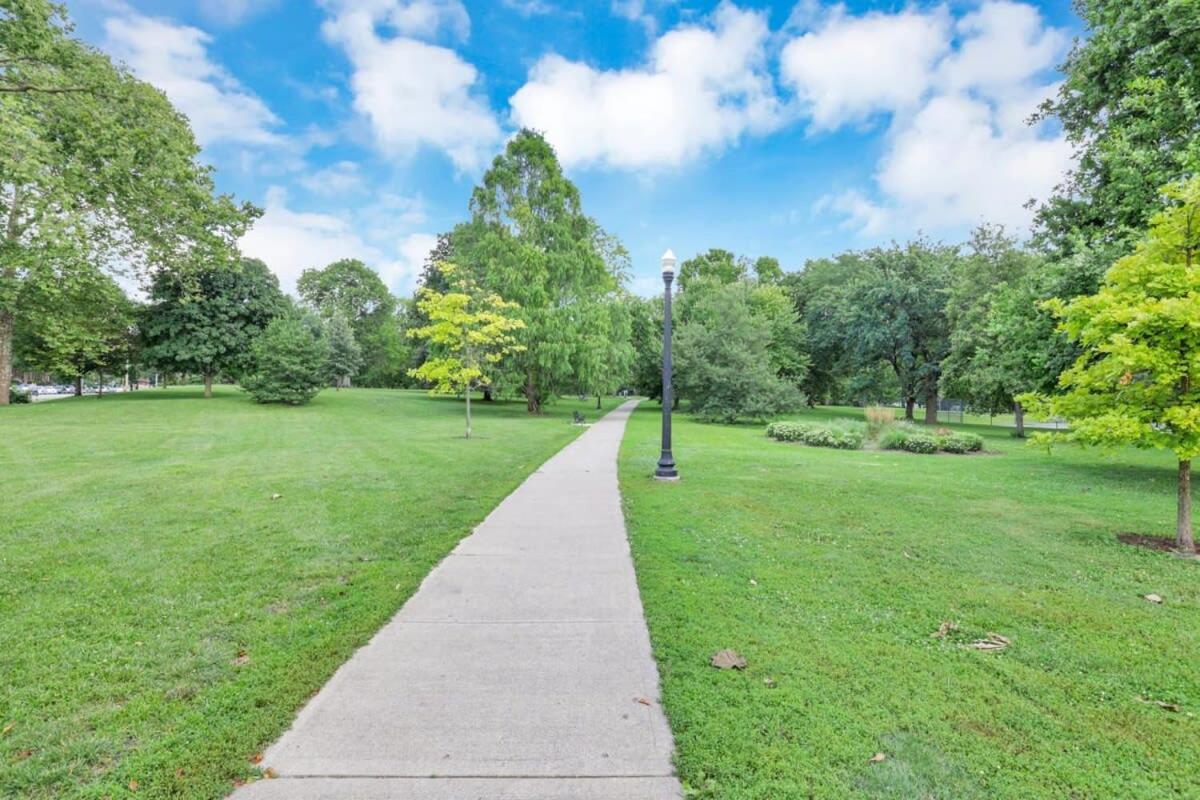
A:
{"x":879,"y":419}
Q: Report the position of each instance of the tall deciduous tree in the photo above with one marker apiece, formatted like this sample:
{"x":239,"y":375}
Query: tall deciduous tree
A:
{"x":717,"y":265}
{"x":469,"y":332}
{"x":530,"y":242}
{"x":351,"y":289}
{"x":1130,"y":104}
{"x":1138,"y":380}
{"x":207,"y":322}
{"x":96,"y":167}
{"x":895,"y":312}
{"x":84,"y":327}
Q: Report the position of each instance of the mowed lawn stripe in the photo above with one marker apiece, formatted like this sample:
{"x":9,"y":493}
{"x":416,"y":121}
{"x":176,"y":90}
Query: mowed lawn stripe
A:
{"x":162,"y":617}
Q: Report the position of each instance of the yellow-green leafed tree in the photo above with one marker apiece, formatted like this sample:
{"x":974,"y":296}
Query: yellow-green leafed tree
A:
{"x":469,"y":331}
{"x":1137,"y":379}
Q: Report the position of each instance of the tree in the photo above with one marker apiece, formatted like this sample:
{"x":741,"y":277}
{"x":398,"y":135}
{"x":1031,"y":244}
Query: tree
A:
{"x":290,"y":362}
{"x":724,"y":366}
{"x":469,"y":332}
{"x":1129,"y":105}
{"x":350,"y":289}
{"x":530,"y":242}
{"x":646,"y":333}
{"x":96,"y":168}
{"x":345,"y":356}
{"x":895,"y":311}
{"x":207,"y":322}
{"x":606,"y":353}
{"x":86,"y":327}
{"x":767,"y":270}
{"x":1138,"y":379}
{"x":716,"y":265}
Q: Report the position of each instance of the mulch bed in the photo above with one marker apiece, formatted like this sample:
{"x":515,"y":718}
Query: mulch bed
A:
{"x":1159,"y":543}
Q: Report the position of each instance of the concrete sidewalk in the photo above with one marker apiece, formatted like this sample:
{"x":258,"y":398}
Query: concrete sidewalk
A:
{"x":520,"y":670}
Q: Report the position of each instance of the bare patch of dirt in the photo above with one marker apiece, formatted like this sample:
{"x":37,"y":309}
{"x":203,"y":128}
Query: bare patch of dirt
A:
{"x":1159,"y":543}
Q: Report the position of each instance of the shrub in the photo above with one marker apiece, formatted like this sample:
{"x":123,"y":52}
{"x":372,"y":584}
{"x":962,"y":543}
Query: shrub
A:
{"x":838,"y":434}
{"x":290,"y":363}
{"x":952,"y":444}
{"x":921,"y":443}
{"x":913,"y":439}
{"x":18,"y":398}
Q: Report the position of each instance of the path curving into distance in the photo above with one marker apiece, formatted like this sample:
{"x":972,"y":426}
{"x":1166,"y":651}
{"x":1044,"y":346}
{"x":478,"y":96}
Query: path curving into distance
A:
{"x":520,"y":670}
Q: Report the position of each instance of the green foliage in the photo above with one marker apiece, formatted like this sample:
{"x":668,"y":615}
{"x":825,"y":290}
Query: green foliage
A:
{"x":290,"y":362}
{"x":17,"y":397}
{"x":207,"y":321}
{"x":646,"y":334}
{"x":724,"y":364}
{"x":1136,"y":381}
{"x":838,"y":434}
{"x":97,"y":167}
{"x":913,"y":439}
{"x":716,"y":265}
{"x":345,"y":356}
{"x":1129,"y":104}
{"x":469,"y":332}
{"x":767,"y":270}
{"x":530,"y":242}
{"x":350,"y":289}
{"x":85,"y":326}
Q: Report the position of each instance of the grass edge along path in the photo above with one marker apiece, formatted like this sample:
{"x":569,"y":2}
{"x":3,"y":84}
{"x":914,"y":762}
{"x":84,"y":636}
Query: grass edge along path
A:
{"x":833,"y":571}
{"x":178,"y":576}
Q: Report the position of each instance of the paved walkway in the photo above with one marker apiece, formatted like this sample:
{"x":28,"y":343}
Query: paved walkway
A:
{"x":520,"y":670}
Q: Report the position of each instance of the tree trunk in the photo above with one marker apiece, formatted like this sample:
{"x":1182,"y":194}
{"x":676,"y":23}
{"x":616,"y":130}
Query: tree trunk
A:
{"x":468,"y":412}
{"x":1183,"y":525}
{"x":931,"y":406}
{"x":910,"y":404}
{"x":533,"y":403}
{"x":487,"y":395}
{"x":79,"y":386}
{"x":1019,"y":419}
{"x":208,"y":378}
{"x":597,"y":402}
{"x":6,"y":336}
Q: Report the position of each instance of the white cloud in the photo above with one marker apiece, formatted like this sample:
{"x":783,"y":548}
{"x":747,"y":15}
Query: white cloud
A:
{"x":175,"y":58}
{"x":232,"y":12}
{"x":341,"y":178}
{"x":704,"y":86}
{"x":852,"y":67}
{"x":958,"y":150}
{"x":292,"y":241}
{"x":413,"y":93}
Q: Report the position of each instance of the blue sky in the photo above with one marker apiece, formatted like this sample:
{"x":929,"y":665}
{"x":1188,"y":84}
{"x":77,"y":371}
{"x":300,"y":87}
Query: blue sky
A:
{"x":793,"y":129}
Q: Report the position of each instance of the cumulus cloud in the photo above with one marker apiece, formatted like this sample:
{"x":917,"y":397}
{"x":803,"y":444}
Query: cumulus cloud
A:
{"x":233,"y":12}
{"x":412,"y":92}
{"x":958,"y":149}
{"x":175,"y":58}
{"x":291,"y":241}
{"x":702,"y":88}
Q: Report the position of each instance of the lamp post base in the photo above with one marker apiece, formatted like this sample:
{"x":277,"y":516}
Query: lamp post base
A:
{"x":666,"y":470}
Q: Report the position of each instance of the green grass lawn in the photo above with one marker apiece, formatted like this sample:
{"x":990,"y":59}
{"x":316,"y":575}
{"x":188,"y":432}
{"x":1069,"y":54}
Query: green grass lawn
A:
{"x":829,"y":570}
{"x":162,"y":617}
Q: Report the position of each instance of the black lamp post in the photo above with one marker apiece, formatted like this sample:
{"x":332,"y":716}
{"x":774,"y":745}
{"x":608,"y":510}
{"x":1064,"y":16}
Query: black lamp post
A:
{"x":666,"y":462}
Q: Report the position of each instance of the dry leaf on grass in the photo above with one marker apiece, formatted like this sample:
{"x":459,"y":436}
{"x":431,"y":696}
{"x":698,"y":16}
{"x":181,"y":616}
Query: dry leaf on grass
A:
{"x":7,"y":729}
{"x":946,"y":627}
{"x":242,"y":659}
{"x":276,"y":496}
{"x":993,"y":643}
{"x":875,"y":759}
{"x":256,"y":758}
{"x":1153,"y":598}
{"x":133,"y":786}
{"x":646,"y":701}
{"x":728,"y":659}
{"x":1164,"y":705}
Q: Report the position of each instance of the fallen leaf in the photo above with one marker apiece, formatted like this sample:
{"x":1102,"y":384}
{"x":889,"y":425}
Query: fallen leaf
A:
{"x":728,"y":659}
{"x":946,"y":627}
{"x":753,"y":582}
{"x":242,"y":659}
{"x":24,"y":754}
{"x":133,"y":786}
{"x":276,"y":496}
{"x":769,"y":682}
{"x":1153,"y":598}
{"x":7,"y":729}
{"x":644,"y":701}
{"x":1160,"y":703}
{"x":179,"y":773}
{"x":993,"y":643}
{"x":256,"y":758}
{"x":269,"y":772}
{"x":875,"y":759}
